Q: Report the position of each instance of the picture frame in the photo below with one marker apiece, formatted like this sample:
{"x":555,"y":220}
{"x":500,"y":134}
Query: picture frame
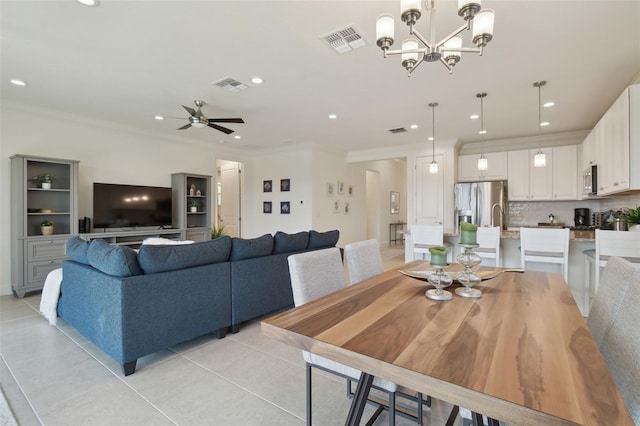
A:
{"x":285,"y":207}
{"x":350,"y":190}
{"x":340,"y":187}
{"x":285,"y":185}
{"x":267,"y":186}
{"x":346,"y":209}
{"x":330,"y":189}
{"x":395,"y":202}
{"x":267,"y":207}
{"x":336,"y":206}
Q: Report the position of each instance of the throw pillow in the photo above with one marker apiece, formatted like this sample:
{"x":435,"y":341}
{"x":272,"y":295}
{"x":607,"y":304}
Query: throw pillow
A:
{"x":77,"y":250}
{"x":120,"y":261}
{"x":287,"y":243}
{"x":162,"y":258}
{"x":323,"y":239}
{"x":248,"y":248}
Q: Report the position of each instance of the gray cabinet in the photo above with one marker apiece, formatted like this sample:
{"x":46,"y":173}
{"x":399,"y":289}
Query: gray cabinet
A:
{"x":191,"y":204}
{"x":35,"y":251}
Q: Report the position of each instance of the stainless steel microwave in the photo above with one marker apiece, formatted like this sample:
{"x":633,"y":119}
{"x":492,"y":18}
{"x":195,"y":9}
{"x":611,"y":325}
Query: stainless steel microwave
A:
{"x":590,"y":176}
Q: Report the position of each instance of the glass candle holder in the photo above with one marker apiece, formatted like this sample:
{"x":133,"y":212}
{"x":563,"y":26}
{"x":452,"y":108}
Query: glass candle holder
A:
{"x":468,"y":278}
{"x":439,"y":279}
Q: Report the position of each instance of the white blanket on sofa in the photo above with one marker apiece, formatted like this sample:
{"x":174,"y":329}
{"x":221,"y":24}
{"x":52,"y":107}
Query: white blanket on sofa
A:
{"x":50,"y":296}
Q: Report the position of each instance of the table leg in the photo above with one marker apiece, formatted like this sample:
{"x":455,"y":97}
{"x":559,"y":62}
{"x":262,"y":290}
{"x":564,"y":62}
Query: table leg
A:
{"x":359,"y":400}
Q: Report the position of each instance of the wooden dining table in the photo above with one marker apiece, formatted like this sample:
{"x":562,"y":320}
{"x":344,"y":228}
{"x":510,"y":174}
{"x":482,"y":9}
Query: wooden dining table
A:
{"x":522,"y":353}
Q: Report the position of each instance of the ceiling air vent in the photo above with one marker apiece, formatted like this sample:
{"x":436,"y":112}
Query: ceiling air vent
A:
{"x":344,"y":39}
{"x":231,"y":84}
{"x":398,"y":130}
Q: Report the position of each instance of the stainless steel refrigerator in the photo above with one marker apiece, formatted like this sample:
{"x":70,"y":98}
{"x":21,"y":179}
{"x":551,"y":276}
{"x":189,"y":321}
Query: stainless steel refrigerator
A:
{"x":482,"y":203}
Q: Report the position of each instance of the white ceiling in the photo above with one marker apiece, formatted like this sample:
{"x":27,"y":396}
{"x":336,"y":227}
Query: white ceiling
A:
{"x":126,"y":61}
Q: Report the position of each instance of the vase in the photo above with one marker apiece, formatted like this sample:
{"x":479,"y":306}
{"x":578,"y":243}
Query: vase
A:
{"x":47,"y":230}
{"x":46,"y":185}
{"x":194,"y":210}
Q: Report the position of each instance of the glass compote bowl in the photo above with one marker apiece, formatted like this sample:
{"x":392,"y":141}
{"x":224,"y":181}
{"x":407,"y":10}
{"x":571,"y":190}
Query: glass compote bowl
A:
{"x":468,"y":278}
{"x":439,"y":279}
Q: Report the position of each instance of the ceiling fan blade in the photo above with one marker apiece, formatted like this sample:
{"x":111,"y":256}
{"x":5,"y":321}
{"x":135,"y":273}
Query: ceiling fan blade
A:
{"x":186,"y":126}
{"x":227,"y":120}
{"x":222,"y":129}
{"x":189,"y":110}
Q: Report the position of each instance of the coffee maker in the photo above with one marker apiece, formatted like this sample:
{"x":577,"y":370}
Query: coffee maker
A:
{"x":581,"y":217}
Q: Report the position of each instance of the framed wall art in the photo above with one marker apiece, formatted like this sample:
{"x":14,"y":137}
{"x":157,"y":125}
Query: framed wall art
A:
{"x":285,"y":185}
{"x":395,"y":202}
{"x":267,"y":207}
{"x":285,"y":207}
{"x":267,"y":186}
{"x":330,"y":189}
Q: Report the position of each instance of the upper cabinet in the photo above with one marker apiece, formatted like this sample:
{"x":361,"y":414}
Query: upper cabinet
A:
{"x":526,"y":182}
{"x":566,"y":176}
{"x":617,"y":144}
{"x":496,"y":170}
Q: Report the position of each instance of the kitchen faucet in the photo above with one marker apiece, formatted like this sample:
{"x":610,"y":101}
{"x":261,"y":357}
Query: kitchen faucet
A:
{"x":501,"y":214}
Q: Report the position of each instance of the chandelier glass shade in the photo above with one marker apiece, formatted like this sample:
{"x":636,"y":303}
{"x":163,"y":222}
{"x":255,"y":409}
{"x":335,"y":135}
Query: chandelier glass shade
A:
{"x":433,"y":166}
{"x":447,"y":50}
{"x":540,"y":159}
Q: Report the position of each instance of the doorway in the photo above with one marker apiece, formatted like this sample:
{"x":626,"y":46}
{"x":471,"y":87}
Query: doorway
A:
{"x":373,"y":204}
{"x":229,"y":197}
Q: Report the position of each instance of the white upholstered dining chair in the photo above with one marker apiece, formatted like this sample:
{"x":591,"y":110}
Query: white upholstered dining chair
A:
{"x":614,"y":326}
{"x":424,"y":237}
{"x":315,"y":274}
{"x":545,"y":246}
{"x":363,"y":260}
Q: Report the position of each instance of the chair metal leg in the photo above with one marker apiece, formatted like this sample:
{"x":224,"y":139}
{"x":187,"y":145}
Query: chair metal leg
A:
{"x":392,"y":408}
{"x":477,"y":419}
{"x":308,"y":394}
{"x":359,"y":400}
{"x":453,"y":415}
{"x":419,"y":408}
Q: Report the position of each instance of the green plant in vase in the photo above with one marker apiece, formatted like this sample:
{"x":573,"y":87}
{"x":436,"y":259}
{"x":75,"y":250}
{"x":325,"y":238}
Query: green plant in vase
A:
{"x":44,"y":179}
{"x":218,"y":232}
{"x":194,"y":206}
{"x":632,"y":216}
{"x":47,"y":227}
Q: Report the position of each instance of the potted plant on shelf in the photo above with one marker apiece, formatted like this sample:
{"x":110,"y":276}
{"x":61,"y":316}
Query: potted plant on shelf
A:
{"x":194,"y":205}
{"x":44,"y":179}
{"x":632,"y":216}
{"x":47,"y":227}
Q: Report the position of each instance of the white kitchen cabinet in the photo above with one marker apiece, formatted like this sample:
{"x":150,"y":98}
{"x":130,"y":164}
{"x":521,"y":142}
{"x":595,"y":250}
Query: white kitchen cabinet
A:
{"x":526,"y":182}
{"x":588,"y":147}
{"x":566,"y":178}
{"x":496,"y":170}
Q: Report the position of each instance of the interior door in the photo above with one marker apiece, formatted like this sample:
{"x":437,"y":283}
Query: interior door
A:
{"x":429,"y":192}
{"x":229,"y":209}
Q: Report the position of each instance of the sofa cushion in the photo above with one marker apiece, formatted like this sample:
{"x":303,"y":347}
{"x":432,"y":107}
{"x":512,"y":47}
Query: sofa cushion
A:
{"x":78,"y":249}
{"x":162,"y":258}
{"x":323,"y":239}
{"x":287,"y":243}
{"x":242,"y":248}
{"x":120,"y":261}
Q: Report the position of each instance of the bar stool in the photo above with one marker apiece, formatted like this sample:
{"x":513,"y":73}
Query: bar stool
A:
{"x":488,"y":238}
{"x":424,"y":237}
{"x":545,"y":246}
{"x":608,"y":243}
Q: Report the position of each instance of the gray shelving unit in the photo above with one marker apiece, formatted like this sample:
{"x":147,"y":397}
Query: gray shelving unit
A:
{"x":35,"y":255}
{"x":188,"y":189}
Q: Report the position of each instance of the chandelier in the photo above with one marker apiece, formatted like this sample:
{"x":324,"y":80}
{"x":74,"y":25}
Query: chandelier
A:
{"x":449,"y":49}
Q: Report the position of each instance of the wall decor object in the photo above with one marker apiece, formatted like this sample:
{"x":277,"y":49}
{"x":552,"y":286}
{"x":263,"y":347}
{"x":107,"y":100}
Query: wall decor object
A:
{"x":285,"y":207}
{"x":340,"y":187}
{"x":336,"y":206}
{"x":395,"y":202}
{"x":192,"y":189}
{"x":267,"y":186}
{"x":330,"y":189}
{"x":285,"y":185}
{"x":349,"y":190}
{"x":266,"y":207}
{"x":346,"y":207}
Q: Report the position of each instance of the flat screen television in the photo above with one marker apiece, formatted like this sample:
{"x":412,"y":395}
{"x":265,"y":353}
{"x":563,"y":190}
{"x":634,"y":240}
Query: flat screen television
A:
{"x":125,"y":206}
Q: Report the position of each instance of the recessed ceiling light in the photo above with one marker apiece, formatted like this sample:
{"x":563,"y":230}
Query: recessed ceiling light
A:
{"x":430,"y":138}
{"x":159,"y":117}
{"x":256,"y":80}
{"x":414,"y":126}
{"x":474,"y":116}
{"x":482,"y":132}
{"x":333,"y":116}
{"x":545,"y":123}
{"x":549,"y":104}
{"x":89,"y":2}
{"x":237,"y":137}
{"x":18,"y":82}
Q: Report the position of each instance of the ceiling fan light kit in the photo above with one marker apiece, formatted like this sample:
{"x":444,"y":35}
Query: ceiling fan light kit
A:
{"x":198,"y":120}
{"x":449,"y":49}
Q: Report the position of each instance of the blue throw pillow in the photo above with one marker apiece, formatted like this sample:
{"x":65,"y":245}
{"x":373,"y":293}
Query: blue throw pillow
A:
{"x":287,"y":243}
{"x":78,"y":249}
{"x":323,"y":239}
{"x":162,"y":258}
{"x":120,"y":261}
{"x":248,"y":248}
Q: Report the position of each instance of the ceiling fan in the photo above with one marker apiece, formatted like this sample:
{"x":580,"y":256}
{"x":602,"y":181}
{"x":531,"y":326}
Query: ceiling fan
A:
{"x":198,"y":120}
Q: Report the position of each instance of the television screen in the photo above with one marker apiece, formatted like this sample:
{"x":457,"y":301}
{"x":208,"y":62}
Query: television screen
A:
{"x":123,"y":206}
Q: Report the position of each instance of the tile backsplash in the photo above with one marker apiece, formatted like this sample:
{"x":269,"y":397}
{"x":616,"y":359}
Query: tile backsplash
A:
{"x":529,"y":213}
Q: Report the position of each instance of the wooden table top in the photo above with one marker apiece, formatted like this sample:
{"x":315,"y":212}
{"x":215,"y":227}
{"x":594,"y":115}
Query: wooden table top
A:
{"x":522,"y":353}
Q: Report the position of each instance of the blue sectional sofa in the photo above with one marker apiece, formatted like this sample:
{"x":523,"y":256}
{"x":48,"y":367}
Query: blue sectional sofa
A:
{"x":133,"y":304}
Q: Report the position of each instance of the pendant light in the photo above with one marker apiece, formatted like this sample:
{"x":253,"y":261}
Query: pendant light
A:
{"x":540,"y":159}
{"x":483,"y":163}
{"x":433,"y":167}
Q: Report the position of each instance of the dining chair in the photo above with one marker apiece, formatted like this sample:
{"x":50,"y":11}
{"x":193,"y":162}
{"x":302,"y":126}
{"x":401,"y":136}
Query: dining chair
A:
{"x":608,"y":243}
{"x":619,"y":334}
{"x":313,"y":275}
{"x":363,"y":260}
{"x":545,"y":246}
{"x":424,"y":237}
{"x":488,"y":239}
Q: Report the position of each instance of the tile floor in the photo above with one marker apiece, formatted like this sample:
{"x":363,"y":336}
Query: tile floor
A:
{"x":54,"y":376}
